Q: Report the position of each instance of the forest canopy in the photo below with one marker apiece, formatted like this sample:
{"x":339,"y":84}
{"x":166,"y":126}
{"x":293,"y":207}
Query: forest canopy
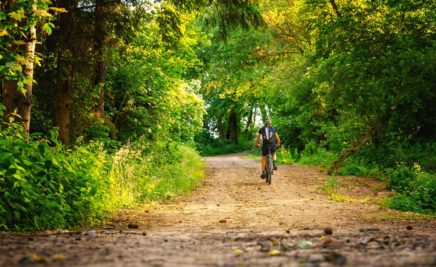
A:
{"x":103,"y":95}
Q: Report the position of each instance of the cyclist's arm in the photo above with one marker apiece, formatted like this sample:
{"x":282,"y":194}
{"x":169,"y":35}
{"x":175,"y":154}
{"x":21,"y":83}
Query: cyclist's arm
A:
{"x":258,"y":139}
{"x":277,"y":139}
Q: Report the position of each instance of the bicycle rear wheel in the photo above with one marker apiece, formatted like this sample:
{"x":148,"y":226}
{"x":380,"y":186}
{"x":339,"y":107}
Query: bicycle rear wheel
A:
{"x":269,"y":171}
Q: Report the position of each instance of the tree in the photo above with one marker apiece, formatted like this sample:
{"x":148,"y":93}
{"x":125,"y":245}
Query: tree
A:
{"x":19,"y":20}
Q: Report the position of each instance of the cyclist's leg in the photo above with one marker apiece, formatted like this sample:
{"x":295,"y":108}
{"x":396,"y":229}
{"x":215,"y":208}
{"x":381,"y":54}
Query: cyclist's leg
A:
{"x":274,"y":155}
{"x":263,"y":163}
{"x":264,"y":153}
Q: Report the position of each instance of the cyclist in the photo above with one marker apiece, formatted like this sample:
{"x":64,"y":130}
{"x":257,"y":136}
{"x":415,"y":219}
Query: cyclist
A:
{"x":271,"y":140}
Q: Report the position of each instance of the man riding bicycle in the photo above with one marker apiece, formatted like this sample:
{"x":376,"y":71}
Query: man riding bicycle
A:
{"x":271,"y":141}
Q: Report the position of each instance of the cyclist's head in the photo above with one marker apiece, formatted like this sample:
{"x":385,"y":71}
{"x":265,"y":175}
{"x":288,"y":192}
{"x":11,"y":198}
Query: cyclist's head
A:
{"x":267,"y":123}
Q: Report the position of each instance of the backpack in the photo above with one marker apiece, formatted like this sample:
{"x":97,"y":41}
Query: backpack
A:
{"x":268,"y":134}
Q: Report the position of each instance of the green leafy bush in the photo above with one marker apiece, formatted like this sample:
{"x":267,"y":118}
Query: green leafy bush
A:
{"x":316,"y":155}
{"x":44,"y":185}
{"x":416,"y":189}
{"x":403,"y":203}
{"x":285,"y":156}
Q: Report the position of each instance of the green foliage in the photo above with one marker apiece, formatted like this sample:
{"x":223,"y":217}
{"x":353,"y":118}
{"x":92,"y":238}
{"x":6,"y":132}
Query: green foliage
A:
{"x":286,"y":156}
{"x":315,"y":155}
{"x":231,"y":73}
{"x":403,"y":203}
{"x":207,"y":145}
{"x":416,"y":189}
{"x":15,"y":23}
{"x":46,"y":186}
{"x":140,"y":172}
{"x":360,"y":169}
{"x":176,"y":176}
{"x":151,"y":96}
{"x":330,"y":185}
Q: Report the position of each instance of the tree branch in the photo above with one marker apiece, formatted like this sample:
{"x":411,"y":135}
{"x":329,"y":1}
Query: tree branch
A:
{"x":335,"y":8}
{"x":368,"y":136}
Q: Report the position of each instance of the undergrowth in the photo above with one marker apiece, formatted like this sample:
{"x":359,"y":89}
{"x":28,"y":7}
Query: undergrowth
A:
{"x":415,"y":188}
{"x":45,"y":185}
{"x":221,"y":147}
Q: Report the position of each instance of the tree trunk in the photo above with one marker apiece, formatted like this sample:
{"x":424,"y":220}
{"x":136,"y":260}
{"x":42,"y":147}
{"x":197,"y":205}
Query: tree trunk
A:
{"x":100,"y":16}
{"x":63,"y":106}
{"x":15,"y":99}
{"x":99,"y":47}
{"x":221,"y":128}
{"x":250,"y":118}
{"x":233,"y":127}
{"x":65,"y":70}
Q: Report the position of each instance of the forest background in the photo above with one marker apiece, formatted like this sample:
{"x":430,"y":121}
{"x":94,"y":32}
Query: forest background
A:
{"x":107,"y":104}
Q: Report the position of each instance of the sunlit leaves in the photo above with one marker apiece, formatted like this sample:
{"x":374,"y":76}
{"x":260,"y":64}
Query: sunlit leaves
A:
{"x":17,"y":15}
{"x":15,"y":32}
{"x":48,"y":27}
{"x":150,"y":81}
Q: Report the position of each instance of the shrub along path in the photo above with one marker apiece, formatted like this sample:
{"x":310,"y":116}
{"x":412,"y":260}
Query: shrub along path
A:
{"x":235,"y":219}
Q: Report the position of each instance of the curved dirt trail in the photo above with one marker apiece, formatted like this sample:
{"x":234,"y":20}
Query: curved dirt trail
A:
{"x":235,"y":219}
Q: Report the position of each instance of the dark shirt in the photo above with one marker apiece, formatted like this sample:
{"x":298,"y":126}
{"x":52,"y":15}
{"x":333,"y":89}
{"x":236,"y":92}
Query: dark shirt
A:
{"x":268,"y":134}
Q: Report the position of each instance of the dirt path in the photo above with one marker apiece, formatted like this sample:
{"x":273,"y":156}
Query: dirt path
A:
{"x":234,"y":219}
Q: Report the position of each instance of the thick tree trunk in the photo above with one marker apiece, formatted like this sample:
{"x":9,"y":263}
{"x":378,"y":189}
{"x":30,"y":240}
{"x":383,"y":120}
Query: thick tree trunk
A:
{"x":100,"y":33}
{"x":65,"y":70}
{"x":13,"y":98}
{"x":233,"y":127}
{"x":63,"y":106}
{"x":99,"y":47}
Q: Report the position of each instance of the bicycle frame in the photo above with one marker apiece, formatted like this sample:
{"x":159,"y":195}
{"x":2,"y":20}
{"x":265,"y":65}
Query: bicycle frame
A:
{"x":269,"y":167}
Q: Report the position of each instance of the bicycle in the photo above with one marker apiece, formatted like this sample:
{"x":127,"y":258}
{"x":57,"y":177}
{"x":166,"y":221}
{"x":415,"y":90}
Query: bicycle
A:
{"x":269,"y":167}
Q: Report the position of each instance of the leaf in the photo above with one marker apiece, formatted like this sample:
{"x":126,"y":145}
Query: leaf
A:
{"x":3,"y":32}
{"x":47,"y":28}
{"x":58,"y":10}
{"x":39,"y":258}
{"x":237,"y":251}
{"x":42,"y":13}
{"x":274,"y":252}
{"x":17,"y":15}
